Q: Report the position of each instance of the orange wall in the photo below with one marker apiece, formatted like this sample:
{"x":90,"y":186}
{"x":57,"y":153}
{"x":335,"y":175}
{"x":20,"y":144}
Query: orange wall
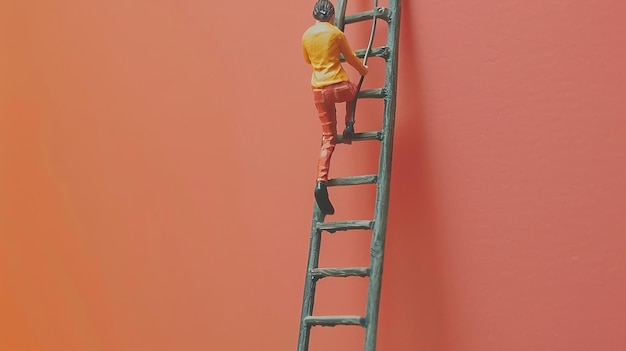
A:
{"x":157,"y":162}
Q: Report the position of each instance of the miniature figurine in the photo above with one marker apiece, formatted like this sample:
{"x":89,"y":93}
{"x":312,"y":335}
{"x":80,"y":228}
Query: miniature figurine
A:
{"x":322,"y":43}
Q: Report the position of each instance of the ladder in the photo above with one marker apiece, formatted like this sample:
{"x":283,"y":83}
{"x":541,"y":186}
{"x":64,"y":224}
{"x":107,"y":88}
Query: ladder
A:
{"x":378,"y":224}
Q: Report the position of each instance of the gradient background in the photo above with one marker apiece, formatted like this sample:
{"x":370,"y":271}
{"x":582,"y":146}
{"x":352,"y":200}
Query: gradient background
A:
{"x":157,"y":161}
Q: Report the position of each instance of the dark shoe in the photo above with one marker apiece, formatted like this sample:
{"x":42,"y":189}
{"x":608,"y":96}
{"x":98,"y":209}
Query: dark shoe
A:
{"x":321,"y":197}
{"x":348,"y":133}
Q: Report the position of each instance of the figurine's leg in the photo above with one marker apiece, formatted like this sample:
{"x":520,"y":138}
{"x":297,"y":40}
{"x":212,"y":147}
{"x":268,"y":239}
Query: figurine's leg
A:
{"x":348,"y":132}
{"x":350,"y":108}
{"x":328,"y":118}
{"x":348,"y":93}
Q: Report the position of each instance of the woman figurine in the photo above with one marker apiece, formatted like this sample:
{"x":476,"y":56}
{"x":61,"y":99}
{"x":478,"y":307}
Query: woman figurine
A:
{"x":322,"y":43}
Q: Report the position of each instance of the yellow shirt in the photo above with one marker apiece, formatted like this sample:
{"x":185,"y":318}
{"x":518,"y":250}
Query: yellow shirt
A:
{"x":321,"y":44}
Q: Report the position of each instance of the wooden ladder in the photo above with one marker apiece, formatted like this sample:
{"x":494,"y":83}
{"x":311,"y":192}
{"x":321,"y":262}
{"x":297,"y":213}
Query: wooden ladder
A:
{"x":378,"y":224}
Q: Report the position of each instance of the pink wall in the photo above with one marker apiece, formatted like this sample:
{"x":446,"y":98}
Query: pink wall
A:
{"x":520,"y":174}
{"x":157,"y":162}
{"x":512,"y":130}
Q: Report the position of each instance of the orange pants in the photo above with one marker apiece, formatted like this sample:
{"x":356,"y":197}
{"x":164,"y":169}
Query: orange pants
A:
{"x":325,"y":99}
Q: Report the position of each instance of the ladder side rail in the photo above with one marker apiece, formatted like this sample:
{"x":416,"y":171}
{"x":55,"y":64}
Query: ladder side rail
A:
{"x":340,"y":14}
{"x":365,"y":57}
{"x":310,"y":281}
{"x":383,"y":185}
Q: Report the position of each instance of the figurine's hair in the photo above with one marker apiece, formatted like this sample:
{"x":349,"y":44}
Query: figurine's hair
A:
{"x":323,"y":10}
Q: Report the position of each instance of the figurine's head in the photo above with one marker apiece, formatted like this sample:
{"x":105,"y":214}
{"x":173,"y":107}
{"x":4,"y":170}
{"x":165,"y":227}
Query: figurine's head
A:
{"x":323,"y":11}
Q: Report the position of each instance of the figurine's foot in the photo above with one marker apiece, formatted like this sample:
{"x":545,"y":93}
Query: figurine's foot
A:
{"x":348,"y":133}
{"x":321,"y":197}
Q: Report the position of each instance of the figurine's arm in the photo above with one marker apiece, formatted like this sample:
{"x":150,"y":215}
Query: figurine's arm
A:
{"x":350,"y":56}
{"x":306,"y":55}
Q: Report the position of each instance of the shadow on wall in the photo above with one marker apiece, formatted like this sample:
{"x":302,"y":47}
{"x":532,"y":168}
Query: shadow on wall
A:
{"x":412,"y":301}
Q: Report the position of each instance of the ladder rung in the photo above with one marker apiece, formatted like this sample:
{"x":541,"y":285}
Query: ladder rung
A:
{"x":331,"y":321}
{"x":355,"y":180}
{"x":372,"y":93}
{"x":363,"y":136}
{"x":340,"y":272}
{"x":347,"y":225}
{"x":381,"y":12}
{"x":382,"y":51}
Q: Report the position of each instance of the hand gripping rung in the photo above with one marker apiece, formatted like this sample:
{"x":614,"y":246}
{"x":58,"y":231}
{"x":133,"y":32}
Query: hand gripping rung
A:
{"x":372,"y":93}
{"x":381,"y":12}
{"x":320,"y":273}
{"x":355,"y":180}
{"x":363,"y":136}
{"x":331,"y":321}
{"x":347,"y":225}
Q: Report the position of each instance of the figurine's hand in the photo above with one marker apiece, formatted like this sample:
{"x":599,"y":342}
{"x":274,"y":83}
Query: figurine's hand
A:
{"x":365,"y":71}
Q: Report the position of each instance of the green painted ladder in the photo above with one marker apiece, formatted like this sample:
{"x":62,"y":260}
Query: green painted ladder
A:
{"x":378,"y":224}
